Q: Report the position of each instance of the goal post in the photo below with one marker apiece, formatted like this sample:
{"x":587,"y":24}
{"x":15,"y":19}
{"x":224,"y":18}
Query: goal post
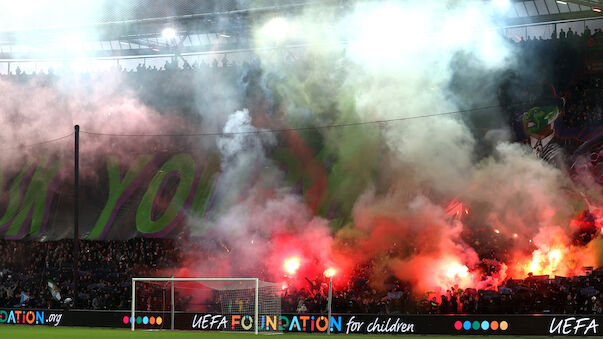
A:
{"x":232,"y":295}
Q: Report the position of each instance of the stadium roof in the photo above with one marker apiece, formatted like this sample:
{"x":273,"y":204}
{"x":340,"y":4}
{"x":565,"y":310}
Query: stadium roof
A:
{"x":147,"y":9}
{"x":523,"y":10}
{"x":130,"y":28}
{"x":543,"y":11}
{"x":101,"y":28}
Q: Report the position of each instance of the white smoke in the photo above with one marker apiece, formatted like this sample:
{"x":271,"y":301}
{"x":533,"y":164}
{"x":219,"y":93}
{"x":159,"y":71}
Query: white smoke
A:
{"x":396,"y":60}
{"x":253,"y":209}
{"x":244,"y":161}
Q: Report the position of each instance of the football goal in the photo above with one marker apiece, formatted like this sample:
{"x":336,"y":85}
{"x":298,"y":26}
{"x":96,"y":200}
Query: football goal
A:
{"x":246,"y":299}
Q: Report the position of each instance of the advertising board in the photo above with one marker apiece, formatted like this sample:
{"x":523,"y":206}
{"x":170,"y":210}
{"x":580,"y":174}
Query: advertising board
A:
{"x":454,"y":324}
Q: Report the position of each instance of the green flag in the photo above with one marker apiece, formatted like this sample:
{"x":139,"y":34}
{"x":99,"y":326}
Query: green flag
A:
{"x":54,"y":290}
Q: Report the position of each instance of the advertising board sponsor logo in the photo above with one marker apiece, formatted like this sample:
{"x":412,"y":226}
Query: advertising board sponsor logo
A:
{"x":210,"y":322}
{"x":30,"y":317}
{"x":573,"y":326}
{"x":481,"y":325}
{"x":303,"y":323}
{"x":143,"y":320}
{"x":288,"y":323}
{"x":380,"y":326}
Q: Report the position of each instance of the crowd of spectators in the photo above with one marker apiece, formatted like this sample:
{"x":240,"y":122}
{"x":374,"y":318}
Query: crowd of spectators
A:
{"x":106,"y":269}
{"x":583,"y":106}
{"x":533,"y":295}
{"x":581,"y":117}
{"x":567,"y":61}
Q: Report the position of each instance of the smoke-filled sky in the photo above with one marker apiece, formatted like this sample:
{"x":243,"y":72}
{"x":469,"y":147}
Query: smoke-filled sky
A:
{"x":424,"y":200}
{"x":419,"y":197}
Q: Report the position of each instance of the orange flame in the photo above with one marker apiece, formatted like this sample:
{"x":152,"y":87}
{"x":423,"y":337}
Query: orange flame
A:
{"x":454,"y":273}
{"x":554,"y":255}
{"x":457,"y":270}
{"x":546,"y":262}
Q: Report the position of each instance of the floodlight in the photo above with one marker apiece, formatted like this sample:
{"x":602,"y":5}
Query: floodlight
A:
{"x":168,"y":33}
{"x":72,"y":42}
{"x":276,"y":29}
{"x":502,"y":4}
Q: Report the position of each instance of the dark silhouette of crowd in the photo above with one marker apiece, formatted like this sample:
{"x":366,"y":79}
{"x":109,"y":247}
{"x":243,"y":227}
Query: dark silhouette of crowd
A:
{"x":569,"y":62}
{"x":532,"y":295}
{"x":106,"y":269}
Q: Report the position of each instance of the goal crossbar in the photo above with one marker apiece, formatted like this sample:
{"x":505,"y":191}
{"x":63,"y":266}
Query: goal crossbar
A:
{"x":172,"y":311}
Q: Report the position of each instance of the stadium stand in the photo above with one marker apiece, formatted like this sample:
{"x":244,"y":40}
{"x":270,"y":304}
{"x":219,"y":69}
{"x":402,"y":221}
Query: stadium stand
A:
{"x":106,"y":267}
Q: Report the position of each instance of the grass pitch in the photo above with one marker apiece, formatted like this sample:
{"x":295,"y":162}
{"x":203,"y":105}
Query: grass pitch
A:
{"x":27,"y":332}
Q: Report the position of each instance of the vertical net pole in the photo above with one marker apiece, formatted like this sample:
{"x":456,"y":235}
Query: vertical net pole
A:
{"x":256,"y":311}
{"x":329,"y":304}
{"x":133,"y":303}
{"x":76,"y":217}
{"x":173,"y":307}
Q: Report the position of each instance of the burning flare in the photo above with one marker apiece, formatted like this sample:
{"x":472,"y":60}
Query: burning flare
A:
{"x":291,"y":265}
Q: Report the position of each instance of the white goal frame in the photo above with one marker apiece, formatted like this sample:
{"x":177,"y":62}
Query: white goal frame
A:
{"x":172,"y":311}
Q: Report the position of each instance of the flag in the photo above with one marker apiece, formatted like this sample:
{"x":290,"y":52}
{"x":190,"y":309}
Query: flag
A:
{"x":54,"y":290}
{"x":23,"y":300}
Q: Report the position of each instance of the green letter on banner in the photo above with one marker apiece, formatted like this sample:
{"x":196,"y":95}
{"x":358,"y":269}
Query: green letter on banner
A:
{"x":14,"y":194}
{"x":205,"y":186}
{"x":116,"y":188}
{"x":185,"y":166}
{"x":35,"y":197}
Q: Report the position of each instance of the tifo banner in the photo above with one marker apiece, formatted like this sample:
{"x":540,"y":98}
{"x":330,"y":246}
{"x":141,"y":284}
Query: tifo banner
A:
{"x":142,"y":186}
{"x":127,"y":194}
{"x":512,"y":325}
{"x":148,"y":196}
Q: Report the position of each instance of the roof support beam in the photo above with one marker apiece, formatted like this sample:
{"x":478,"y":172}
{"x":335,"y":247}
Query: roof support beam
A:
{"x":584,"y":3}
{"x":551,"y":18}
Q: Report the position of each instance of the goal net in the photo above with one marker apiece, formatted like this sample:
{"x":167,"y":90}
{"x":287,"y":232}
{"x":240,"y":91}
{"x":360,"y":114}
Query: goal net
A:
{"x":222,"y":304}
